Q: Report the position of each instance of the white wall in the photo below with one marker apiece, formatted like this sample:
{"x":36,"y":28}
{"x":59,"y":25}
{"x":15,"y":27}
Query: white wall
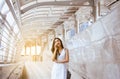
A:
{"x":95,"y":52}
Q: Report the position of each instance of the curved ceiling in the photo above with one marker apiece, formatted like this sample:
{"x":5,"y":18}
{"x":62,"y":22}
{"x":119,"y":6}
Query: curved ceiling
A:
{"x":38,"y":17}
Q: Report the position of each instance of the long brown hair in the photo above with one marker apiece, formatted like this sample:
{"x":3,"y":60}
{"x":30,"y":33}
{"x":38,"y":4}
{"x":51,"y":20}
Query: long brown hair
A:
{"x":52,"y":49}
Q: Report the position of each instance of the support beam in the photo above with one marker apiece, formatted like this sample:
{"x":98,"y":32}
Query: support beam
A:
{"x":18,"y":3}
{"x":12,"y":11}
{"x":56,"y":3}
{"x":1,"y":5}
{"x":94,"y":10}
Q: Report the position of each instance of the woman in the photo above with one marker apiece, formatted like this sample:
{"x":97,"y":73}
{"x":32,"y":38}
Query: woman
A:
{"x":60,"y":57}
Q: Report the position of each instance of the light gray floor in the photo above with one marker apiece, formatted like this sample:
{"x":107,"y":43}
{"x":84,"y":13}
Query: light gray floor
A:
{"x":37,"y":70}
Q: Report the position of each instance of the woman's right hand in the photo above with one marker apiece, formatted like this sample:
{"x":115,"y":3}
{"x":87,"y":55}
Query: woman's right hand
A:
{"x":55,"y":46}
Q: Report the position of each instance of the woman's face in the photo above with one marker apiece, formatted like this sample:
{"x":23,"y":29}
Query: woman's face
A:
{"x":57,"y":42}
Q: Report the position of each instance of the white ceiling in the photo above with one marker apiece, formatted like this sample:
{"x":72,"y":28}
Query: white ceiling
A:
{"x":38,"y":17}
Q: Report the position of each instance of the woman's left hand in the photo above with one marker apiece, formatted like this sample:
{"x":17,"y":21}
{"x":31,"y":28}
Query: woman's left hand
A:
{"x":56,"y":61}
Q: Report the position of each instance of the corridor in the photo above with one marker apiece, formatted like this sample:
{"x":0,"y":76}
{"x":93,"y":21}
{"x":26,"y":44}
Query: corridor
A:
{"x":89,"y":31}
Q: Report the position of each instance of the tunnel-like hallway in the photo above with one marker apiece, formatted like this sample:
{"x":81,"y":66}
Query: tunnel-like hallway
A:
{"x":89,"y":29}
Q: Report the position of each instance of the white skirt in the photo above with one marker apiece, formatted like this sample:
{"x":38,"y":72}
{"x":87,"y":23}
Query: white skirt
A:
{"x":59,"y":71}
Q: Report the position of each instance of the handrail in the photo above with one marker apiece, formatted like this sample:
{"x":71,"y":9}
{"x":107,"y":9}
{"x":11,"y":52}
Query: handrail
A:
{"x":13,"y":71}
{"x":113,"y":3}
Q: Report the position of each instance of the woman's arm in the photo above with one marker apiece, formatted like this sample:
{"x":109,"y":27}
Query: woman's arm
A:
{"x":66,"y":58}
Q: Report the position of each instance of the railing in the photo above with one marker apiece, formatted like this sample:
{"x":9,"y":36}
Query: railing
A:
{"x":16,"y":73}
{"x":113,"y":3}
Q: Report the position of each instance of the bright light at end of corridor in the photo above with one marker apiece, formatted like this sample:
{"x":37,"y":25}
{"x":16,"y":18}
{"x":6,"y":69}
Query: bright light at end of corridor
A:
{"x":33,"y":50}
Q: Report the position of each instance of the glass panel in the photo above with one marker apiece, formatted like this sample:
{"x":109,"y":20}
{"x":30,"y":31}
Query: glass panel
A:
{"x":16,"y":30}
{"x":1,"y":58}
{"x":38,"y":50}
{"x":11,"y":49}
{"x":33,"y":50}
{"x":10,"y":19}
{"x":14,"y":54}
{"x":5,"y":9}
{"x":0,"y":18}
{"x":7,"y":26}
{"x":28,"y":51}
{"x":5,"y":37}
{"x":6,"y":31}
{"x":1,"y":54}
{"x":1,"y":4}
{"x":3,"y":49}
{"x":1,"y":30}
{"x":23,"y":51}
{"x":9,"y":55}
{"x":83,"y":26}
{"x":8,"y":59}
{"x":4,"y":43}
{"x":19,"y":36}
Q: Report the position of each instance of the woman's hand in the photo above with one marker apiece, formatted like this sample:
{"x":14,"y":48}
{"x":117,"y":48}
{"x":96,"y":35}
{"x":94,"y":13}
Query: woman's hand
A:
{"x":55,"y":52}
{"x":56,"y":46}
{"x":66,"y":59}
{"x":57,"y":61}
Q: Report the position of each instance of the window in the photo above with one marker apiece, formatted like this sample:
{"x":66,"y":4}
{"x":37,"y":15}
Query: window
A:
{"x":16,"y":30}
{"x":7,"y":35}
{"x":83,"y":26}
{"x":5,"y":9}
{"x":10,"y":19}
